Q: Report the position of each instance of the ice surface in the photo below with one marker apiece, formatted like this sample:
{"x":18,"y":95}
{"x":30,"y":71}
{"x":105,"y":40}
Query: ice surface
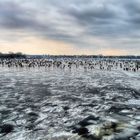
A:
{"x":44,"y":103}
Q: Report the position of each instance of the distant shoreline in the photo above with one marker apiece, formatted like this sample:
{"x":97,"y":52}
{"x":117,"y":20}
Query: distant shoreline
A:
{"x":20,"y":55}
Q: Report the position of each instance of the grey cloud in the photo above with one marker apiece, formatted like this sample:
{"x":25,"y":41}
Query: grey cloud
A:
{"x":73,"y":20}
{"x":14,"y":16}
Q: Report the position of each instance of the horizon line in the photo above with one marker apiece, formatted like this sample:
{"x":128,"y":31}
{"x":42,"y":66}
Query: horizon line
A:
{"x":101,"y":55}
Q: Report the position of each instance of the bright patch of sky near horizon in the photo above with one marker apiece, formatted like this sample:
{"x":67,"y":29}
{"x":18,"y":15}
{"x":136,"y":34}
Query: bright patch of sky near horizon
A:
{"x":105,"y":27}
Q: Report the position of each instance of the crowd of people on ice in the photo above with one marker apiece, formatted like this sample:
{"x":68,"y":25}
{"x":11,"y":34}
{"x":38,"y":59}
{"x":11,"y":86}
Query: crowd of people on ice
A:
{"x":102,"y":64}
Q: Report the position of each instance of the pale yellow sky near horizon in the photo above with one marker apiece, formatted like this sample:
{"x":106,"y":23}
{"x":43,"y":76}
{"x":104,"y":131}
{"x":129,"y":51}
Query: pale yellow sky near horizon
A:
{"x":34,"y":45}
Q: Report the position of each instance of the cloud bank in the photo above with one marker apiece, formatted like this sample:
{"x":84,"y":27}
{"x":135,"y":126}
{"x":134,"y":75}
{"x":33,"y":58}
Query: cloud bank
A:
{"x":92,"y":24}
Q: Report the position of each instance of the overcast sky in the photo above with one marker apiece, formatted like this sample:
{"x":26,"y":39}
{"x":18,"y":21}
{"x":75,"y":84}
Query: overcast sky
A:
{"x":109,"y":27}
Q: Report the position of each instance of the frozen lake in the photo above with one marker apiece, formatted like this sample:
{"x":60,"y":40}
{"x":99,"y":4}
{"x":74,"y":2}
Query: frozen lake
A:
{"x":43,"y":104}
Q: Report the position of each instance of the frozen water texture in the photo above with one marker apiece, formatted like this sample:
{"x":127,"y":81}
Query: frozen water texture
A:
{"x":43,"y":104}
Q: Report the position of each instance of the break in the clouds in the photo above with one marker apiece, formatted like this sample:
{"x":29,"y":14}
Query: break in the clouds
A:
{"x":86,"y":24}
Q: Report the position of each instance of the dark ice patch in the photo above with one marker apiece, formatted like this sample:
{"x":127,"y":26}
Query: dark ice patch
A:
{"x":6,"y":128}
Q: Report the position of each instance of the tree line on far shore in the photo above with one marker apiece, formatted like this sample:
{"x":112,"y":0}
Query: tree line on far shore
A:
{"x":12,"y":55}
{"x":20,"y":55}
